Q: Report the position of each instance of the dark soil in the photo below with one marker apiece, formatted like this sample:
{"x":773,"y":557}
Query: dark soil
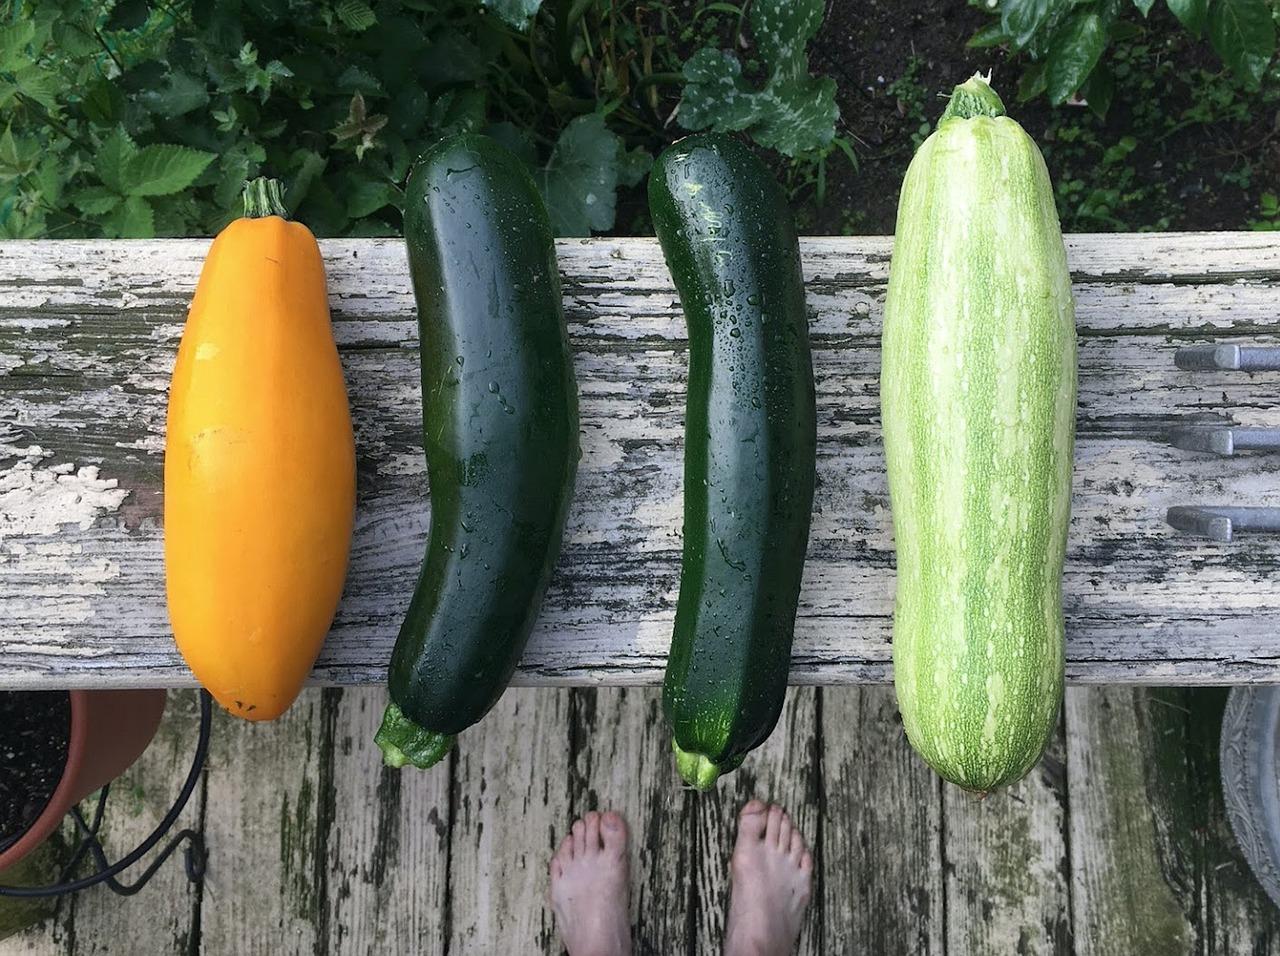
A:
{"x":1175,"y":183}
{"x":35,"y":729}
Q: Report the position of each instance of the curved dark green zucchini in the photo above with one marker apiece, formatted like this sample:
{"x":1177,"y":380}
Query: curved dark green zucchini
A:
{"x":750,"y":434}
{"x":500,"y":427}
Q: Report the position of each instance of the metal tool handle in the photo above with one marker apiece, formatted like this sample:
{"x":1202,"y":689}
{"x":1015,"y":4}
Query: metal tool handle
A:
{"x":1225,"y":439}
{"x":1231,"y":358}
{"x":1221,"y":522}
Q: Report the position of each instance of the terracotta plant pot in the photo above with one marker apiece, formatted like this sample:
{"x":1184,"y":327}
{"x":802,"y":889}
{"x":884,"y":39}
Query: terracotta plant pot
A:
{"x":109,"y":731}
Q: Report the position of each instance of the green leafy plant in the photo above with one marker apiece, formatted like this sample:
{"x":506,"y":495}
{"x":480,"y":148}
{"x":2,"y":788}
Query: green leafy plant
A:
{"x":1268,"y":213}
{"x":1067,"y":41}
{"x":144,"y":117}
{"x":911,"y":94}
{"x":792,"y":112}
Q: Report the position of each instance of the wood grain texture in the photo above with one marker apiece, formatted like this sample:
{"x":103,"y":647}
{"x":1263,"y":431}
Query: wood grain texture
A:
{"x":388,"y":842}
{"x":785,"y":770}
{"x":269,"y":807}
{"x":1152,"y":869}
{"x":883,"y":852}
{"x":1123,"y":900}
{"x":622,"y":761}
{"x":511,"y":809}
{"x":1007,"y":872}
{"x":87,"y":337}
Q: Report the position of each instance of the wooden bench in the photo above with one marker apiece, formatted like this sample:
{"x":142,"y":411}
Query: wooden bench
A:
{"x":87,"y":337}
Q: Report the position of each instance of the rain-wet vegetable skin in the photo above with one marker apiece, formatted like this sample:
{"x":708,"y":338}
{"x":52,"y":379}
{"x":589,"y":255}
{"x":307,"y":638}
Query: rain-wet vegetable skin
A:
{"x":500,"y":427}
{"x":978,"y":404}
{"x":750,"y":426}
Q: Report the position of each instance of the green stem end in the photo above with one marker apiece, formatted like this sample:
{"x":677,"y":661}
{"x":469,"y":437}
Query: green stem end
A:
{"x":698,"y":770}
{"x":973,"y":97}
{"x":264,"y":197}
{"x":403,"y":742}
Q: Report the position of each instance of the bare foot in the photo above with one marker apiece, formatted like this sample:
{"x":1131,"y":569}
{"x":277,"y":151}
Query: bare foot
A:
{"x":772,"y":874}
{"x":590,"y":887}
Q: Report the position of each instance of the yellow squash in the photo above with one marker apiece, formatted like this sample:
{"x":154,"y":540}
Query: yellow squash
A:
{"x":259,"y":475}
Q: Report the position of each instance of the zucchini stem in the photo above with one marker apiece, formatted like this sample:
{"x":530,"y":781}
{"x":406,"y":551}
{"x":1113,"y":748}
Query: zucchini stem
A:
{"x":402,"y":741}
{"x":264,"y":197}
{"x":698,"y":770}
{"x":973,"y":97}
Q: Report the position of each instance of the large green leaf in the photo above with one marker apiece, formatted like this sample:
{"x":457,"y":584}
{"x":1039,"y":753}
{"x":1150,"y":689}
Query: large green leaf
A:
{"x":132,"y":219}
{"x":111,"y":159}
{"x":580,"y":180}
{"x":715,"y":93}
{"x":163,"y":170}
{"x":355,"y":14}
{"x":782,"y":29}
{"x":95,"y":200}
{"x":794,"y":112}
{"x":800,"y":117}
{"x":1020,"y":19}
{"x":14,"y":40}
{"x":1076,"y":48}
{"x":518,"y":13}
{"x":1244,"y":35}
{"x":37,"y":83}
{"x":1192,"y":13}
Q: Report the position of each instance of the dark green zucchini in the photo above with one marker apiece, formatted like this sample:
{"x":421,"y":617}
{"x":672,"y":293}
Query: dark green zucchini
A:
{"x":750,"y":434}
{"x":500,"y":428}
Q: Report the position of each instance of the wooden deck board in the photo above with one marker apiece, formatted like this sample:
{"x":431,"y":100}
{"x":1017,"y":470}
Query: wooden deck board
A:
{"x":622,"y":761}
{"x":882,"y":850}
{"x":459,"y":854}
{"x":1007,"y":877}
{"x":87,"y":336}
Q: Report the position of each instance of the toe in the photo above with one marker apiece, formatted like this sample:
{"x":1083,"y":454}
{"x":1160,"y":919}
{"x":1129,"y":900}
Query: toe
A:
{"x":613,"y":832}
{"x":806,"y":862}
{"x":554,"y":869}
{"x":579,"y":838}
{"x":797,"y":847}
{"x":565,"y":852}
{"x":592,"y":820}
{"x":773,"y":825}
{"x":752,"y":820}
{"x":784,"y":833}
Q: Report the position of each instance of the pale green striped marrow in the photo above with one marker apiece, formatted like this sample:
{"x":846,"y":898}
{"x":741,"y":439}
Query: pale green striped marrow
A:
{"x":978,"y":395}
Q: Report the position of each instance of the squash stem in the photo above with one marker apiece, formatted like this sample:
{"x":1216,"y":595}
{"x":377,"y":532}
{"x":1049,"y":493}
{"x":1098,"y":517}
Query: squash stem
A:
{"x":698,"y":770}
{"x":264,"y":197}
{"x":402,"y":741}
{"x":973,"y":97}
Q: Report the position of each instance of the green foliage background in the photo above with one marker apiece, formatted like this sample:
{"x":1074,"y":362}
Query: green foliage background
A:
{"x":144,"y":117}
{"x":136,"y":118}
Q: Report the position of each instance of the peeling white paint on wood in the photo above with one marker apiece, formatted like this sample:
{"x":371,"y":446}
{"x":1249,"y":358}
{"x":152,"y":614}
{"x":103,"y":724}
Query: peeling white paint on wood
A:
{"x":88,"y":332}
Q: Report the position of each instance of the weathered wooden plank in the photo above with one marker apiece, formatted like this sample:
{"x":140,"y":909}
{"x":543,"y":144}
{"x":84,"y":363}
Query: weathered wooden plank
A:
{"x":388,"y":844}
{"x":622,"y":761}
{"x":269,"y":808}
{"x":87,"y":333}
{"x":882,"y":853}
{"x":785,"y":770}
{"x":1180,"y":730}
{"x":1122,"y":899}
{"x":1007,"y":872}
{"x":511,"y":808}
